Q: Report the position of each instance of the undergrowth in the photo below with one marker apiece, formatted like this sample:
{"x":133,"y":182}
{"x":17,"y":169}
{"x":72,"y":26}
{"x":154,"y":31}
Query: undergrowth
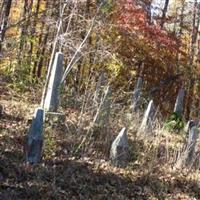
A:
{"x":71,"y":171}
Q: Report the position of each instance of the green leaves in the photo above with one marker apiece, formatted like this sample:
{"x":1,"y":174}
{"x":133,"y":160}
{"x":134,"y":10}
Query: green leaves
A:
{"x":174,"y":123}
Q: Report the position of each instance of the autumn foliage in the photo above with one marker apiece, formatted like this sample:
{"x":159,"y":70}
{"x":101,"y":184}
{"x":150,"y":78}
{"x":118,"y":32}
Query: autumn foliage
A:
{"x":133,"y":19}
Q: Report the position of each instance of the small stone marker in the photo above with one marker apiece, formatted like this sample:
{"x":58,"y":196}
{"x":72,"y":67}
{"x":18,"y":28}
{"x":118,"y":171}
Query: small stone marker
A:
{"x":119,"y":149}
{"x":178,"y":108}
{"x":102,"y":116}
{"x":148,"y":118}
{"x":136,"y":94}
{"x":35,"y":138}
{"x":51,"y":101}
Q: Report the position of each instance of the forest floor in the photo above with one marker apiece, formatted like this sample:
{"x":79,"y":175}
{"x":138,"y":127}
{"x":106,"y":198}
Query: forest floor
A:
{"x":66,"y":175}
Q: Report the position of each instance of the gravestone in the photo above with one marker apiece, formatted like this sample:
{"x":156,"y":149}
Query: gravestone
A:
{"x":147,"y":121}
{"x":191,"y":144}
{"x":186,"y":157}
{"x":136,"y":94}
{"x":35,"y":138}
{"x":51,"y":101}
{"x":178,"y":108}
{"x":102,"y":115}
{"x":119,"y":150}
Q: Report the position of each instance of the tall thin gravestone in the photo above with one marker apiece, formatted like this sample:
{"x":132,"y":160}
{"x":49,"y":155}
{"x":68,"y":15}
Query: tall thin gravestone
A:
{"x":35,"y":137}
{"x":136,"y":94}
{"x":51,"y":101}
{"x":178,"y":108}
{"x":148,"y":118}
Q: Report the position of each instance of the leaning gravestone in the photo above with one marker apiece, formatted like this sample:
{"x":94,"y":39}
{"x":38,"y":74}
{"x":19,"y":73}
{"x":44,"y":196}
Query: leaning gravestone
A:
{"x":51,"y":101}
{"x":35,"y":138}
{"x":119,"y":150}
{"x":178,"y":108}
{"x":102,"y":116}
{"x":136,"y":94}
{"x":147,"y":121}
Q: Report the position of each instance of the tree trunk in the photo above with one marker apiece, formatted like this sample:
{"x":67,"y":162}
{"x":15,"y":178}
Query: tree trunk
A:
{"x":164,"y":13}
{"x":4,"y":21}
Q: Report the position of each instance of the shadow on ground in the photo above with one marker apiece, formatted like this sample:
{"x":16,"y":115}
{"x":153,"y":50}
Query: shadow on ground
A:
{"x":70,"y":179}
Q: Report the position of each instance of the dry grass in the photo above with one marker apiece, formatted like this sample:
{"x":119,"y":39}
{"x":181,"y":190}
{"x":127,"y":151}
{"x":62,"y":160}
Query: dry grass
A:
{"x":69,"y":171}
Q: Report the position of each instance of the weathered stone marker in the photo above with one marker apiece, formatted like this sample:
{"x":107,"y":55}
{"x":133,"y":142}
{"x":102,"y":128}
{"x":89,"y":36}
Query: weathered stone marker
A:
{"x":191,"y":144}
{"x":119,"y":150}
{"x":178,"y":108}
{"x":102,"y":116}
{"x":51,"y":101}
{"x":136,"y":94}
{"x":148,"y":118}
{"x":186,"y":157}
{"x":35,"y":138}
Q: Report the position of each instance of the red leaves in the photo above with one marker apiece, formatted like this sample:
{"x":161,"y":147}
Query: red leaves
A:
{"x":134,"y":20}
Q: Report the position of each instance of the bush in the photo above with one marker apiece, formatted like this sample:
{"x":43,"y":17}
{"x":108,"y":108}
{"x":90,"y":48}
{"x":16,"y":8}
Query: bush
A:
{"x":174,"y":123}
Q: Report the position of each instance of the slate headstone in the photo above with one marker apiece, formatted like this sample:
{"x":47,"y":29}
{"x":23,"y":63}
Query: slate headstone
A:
{"x":119,"y":149}
{"x":35,"y":138}
{"x":51,"y":101}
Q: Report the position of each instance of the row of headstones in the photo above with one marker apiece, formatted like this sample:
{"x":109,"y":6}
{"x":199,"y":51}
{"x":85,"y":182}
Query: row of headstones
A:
{"x":119,"y":150}
{"x":120,"y":145}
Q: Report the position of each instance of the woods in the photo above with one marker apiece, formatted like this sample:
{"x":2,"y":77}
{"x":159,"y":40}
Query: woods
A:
{"x":128,"y":39}
{"x":99,"y":99}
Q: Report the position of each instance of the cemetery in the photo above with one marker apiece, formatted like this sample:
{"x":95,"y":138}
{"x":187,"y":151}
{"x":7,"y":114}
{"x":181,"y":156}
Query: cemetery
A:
{"x":116,"y":150}
{"x":90,"y":114}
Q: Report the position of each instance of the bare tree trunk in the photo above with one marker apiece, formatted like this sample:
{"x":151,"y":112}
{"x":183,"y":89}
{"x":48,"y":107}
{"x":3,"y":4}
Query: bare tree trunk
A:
{"x":164,"y":13}
{"x":4,"y":21}
{"x":24,"y":29}
{"x":32,"y":32}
